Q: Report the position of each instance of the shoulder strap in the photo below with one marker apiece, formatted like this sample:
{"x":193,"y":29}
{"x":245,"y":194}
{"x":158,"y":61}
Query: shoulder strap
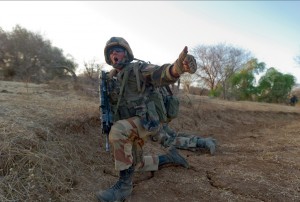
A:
{"x":169,"y":89}
{"x":124,"y":81}
{"x":112,"y":73}
{"x":136,"y":68}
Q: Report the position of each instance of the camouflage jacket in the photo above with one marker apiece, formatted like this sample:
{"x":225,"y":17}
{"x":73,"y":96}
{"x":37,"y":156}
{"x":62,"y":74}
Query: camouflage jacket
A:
{"x":131,"y":88}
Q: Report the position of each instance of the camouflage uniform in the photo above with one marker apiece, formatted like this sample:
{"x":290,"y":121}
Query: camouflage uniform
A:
{"x":128,"y":146}
{"x":168,"y":137}
{"x":133,"y":124}
{"x":131,"y":87}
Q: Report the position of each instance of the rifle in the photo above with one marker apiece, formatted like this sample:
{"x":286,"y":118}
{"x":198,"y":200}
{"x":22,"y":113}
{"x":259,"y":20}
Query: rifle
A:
{"x":106,"y":113}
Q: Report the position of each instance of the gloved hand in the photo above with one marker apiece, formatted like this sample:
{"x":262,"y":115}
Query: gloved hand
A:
{"x":185,"y":63}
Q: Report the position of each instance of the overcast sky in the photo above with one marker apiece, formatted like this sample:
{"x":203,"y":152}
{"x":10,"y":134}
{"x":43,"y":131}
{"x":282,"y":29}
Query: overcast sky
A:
{"x":157,"y":31}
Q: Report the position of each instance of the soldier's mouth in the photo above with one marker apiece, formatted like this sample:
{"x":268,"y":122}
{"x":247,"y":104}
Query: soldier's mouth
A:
{"x":116,"y":59}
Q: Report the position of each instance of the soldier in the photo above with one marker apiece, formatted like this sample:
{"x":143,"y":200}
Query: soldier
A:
{"x":168,"y":137}
{"x":136,"y":112}
{"x":293,"y":100}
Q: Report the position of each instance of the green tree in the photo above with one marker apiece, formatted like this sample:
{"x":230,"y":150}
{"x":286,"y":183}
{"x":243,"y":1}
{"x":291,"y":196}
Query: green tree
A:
{"x":217,"y":63}
{"x":275,"y":86}
{"x":28,"y":56}
{"x":243,"y":82}
{"x":4,"y":72}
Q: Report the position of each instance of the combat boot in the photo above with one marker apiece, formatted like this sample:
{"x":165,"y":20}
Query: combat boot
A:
{"x":207,"y":143}
{"x":172,"y":157}
{"x":121,"y":190}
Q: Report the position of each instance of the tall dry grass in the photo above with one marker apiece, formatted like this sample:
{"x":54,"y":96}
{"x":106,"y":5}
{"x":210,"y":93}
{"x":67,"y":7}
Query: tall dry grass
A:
{"x":39,"y":126}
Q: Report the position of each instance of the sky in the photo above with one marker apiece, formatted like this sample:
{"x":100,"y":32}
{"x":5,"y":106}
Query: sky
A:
{"x":157,"y":31}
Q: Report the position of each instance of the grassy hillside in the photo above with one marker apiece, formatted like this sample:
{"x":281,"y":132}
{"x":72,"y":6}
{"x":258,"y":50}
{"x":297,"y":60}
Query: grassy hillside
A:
{"x":51,"y":149}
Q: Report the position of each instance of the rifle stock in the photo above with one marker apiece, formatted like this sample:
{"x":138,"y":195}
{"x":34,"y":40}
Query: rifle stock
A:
{"x":106,"y":113}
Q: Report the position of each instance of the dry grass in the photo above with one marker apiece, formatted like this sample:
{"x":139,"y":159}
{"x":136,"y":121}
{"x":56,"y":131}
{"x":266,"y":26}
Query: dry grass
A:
{"x":36,"y":125}
{"x":50,"y":149}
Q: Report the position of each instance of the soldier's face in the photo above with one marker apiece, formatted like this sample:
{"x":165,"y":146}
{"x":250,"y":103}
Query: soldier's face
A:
{"x":116,"y":55}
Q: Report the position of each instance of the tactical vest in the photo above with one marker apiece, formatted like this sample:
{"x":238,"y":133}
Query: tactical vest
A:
{"x":131,"y":96}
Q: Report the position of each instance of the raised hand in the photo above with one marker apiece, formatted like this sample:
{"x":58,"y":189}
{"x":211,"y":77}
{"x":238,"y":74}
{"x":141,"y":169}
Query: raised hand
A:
{"x":185,"y":63}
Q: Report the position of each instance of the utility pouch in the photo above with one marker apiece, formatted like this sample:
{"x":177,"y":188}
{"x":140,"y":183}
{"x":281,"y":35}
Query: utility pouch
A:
{"x":172,"y":106}
{"x":150,"y":119}
{"x":158,"y":101}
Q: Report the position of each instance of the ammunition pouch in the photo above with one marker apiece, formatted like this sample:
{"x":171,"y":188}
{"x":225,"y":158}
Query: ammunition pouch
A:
{"x":156,"y":97}
{"x":172,"y":106}
{"x":131,"y":109}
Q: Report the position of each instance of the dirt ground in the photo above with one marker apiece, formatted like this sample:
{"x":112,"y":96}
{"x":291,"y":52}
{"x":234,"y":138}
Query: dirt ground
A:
{"x":51,"y":149}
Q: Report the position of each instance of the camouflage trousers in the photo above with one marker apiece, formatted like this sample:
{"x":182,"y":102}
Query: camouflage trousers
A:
{"x":181,"y":141}
{"x":167,"y":137}
{"x":127,"y":138}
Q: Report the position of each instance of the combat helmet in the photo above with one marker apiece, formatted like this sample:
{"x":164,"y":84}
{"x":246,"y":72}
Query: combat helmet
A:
{"x":117,"y":41}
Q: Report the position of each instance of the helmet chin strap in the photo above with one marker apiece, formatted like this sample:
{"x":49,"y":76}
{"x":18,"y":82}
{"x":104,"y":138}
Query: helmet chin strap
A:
{"x":118,"y":66}
{"x":121,"y":64}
